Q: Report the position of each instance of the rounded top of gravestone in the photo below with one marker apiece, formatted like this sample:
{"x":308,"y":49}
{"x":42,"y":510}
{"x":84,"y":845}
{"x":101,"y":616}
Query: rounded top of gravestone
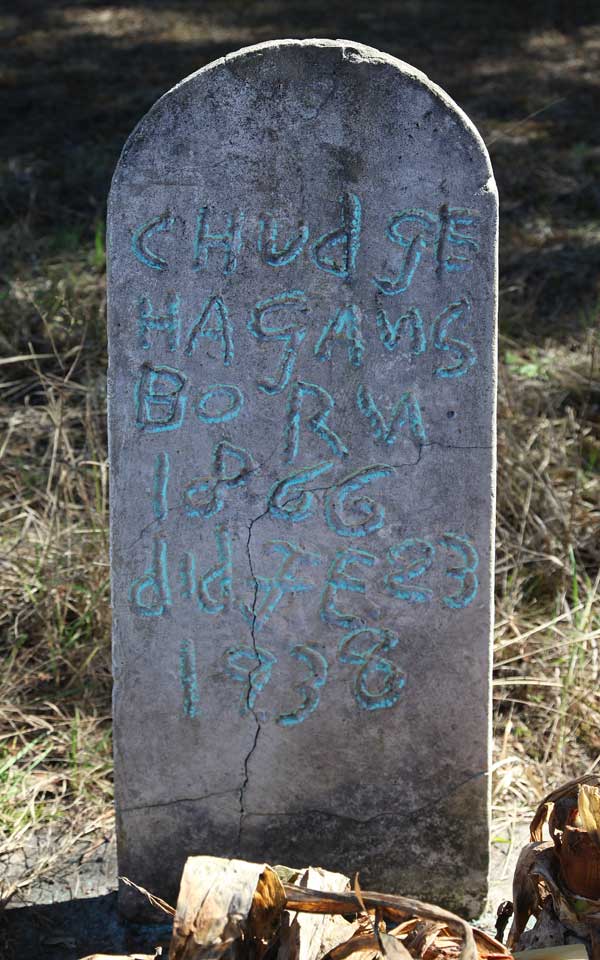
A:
{"x":274,"y":95}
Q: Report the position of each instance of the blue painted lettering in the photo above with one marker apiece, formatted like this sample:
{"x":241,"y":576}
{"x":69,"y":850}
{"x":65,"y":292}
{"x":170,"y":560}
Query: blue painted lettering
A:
{"x":187,"y":576}
{"x":370,"y":516}
{"x":214,"y":587}
{"x":158,"y":400}
{"x":204,"y":496}
{"x":406,"y":412}
{"x":309,"y":687}
{"x":141,"y":237}
{"x":408,"y":326}
{"x":160,"y":487}
{"x":423,"y":226}
{"x":230,"y":241}
{"x":290,"y":332}
{"x":345,"y":324}
{"x":336,"y":252}
{"x":251,"y":666}
{"x":379,"y":682}
{"x":465,"y":573}
{"x":267,"y":242}
{"x":414,"y":557}
{"x":243,"y":464}
{"x":167,"y":322}
{"x":454,"y":246}
{"x":287,"y":502}
{"x":338,"y":579}
{"x":150,"y":594}
{"x":317,"y":422}
{"x":219,"y":403}
{"x":271,"y":590}
{"x":463,"y":354}
{"x":214,"y":324}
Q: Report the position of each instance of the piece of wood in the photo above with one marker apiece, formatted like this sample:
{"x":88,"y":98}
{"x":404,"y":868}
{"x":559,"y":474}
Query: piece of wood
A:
{"x":390,"y":907}
{"x":303,"y":934}
{"x":488,"y":946}
{"x":215,"y":902}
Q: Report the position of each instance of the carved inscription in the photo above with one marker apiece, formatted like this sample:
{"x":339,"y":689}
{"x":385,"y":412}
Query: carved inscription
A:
{"x":350,"y":584}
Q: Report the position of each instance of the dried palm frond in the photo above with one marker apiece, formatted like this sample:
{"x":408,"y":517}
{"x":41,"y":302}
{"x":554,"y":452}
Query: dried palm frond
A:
{"x":558,"y":881}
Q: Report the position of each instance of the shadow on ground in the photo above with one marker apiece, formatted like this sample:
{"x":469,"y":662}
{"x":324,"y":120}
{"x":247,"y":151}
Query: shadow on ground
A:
{"x":74,"y":929}
{"x":78,"y":76}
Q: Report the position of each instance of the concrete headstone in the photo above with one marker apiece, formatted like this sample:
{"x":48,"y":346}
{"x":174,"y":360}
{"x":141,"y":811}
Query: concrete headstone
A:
{"x":302,"y":306}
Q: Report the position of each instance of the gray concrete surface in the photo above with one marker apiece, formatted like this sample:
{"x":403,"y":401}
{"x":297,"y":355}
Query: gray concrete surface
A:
{"x":302,"y":323}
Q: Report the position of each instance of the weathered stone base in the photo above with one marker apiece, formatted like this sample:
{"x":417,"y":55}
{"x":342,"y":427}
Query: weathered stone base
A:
{"x":421,"y":853}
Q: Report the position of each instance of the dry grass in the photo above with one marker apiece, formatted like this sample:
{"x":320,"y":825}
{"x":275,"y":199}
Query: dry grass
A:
{"x":54,"y":603}
{"x":55,"y":736}
{"x":546,"y":698}
{"x":547,"y":703}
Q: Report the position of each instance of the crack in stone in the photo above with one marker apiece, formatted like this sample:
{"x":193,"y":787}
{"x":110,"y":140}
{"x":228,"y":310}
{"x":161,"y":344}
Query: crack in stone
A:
{"x":458,"y":446}
{"x":336,"y":483}
{"x":243,"y":813}
{"x":248,"y":757}
{"x":169,"y":803}
{"x":404,"y":463}
{"x":180,"y":510}
{"x":365,"y":821}
{"x":407,"y":463}
{"x":144,"y":530}
{"x":325,"y":101}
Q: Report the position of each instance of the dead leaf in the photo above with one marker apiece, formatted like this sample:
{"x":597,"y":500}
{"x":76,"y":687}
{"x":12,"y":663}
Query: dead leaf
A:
{"x":267,"y":907}
{"x":589,"y":811}
{"x":392,"y":948}
{"x":391,"y":908}
{"x":569,"y":789}
{"x":488,"y":946}
{"x":526,"y":892}
{"x":361,"y":944}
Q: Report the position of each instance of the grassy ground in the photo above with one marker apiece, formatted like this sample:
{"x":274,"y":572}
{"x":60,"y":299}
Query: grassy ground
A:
{"x":75,"y":78}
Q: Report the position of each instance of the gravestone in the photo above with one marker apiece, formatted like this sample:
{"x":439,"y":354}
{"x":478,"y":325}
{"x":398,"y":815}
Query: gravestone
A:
{"x":302,"y":308}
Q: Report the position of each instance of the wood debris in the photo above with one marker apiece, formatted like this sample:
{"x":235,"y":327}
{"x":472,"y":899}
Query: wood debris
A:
{"x":557,"y":881}
{"x":235,"y":910}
